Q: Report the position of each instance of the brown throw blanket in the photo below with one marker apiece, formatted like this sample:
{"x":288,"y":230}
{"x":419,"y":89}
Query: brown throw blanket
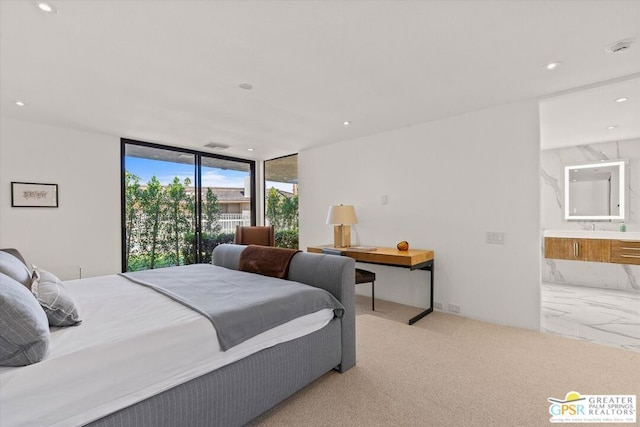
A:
{"x":267,"y":260}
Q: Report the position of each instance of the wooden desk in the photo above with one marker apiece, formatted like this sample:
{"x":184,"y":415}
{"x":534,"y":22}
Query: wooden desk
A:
{"x":413,"y":259}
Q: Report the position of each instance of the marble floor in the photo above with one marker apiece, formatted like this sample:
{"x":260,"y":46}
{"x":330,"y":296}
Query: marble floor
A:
{"x":604,"y":316}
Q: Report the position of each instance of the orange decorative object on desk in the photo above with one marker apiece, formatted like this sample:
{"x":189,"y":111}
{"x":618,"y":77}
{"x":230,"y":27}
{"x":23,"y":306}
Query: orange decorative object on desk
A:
{"x":403,"y":246}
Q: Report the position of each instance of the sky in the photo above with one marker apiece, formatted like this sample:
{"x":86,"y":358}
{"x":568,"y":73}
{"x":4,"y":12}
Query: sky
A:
{"x":165,"y":172}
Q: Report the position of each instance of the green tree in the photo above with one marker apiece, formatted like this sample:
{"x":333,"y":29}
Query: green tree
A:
{"x":133,"y":196}
{"x":179,"y":216}
{"x":272,"y":208}
{"x":281,"y":211}
{"x":152,"y":213}
{"x":289,"y":212}
{"x":211,"y":213}
{"x":159,"y":223}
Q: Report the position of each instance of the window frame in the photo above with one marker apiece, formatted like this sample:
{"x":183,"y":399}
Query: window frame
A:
{"x":198,"y":184}
{"x":264,"y":182}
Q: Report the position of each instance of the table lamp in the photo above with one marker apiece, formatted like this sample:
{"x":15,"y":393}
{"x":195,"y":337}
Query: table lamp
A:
{"x":341,"y":217}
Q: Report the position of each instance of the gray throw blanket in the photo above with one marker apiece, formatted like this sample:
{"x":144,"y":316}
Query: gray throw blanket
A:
{"x":240,"y":305}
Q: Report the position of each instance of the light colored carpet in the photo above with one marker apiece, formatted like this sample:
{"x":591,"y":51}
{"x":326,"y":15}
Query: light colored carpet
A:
{"x":451,"y":371}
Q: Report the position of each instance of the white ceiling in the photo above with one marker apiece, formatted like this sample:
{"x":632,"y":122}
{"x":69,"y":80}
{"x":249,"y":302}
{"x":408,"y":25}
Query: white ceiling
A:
{"x":586,"y":116}
{"x":168,"y":71}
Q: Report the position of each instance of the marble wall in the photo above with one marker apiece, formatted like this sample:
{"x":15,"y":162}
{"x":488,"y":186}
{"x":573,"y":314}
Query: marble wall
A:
{"x":594,"y":274}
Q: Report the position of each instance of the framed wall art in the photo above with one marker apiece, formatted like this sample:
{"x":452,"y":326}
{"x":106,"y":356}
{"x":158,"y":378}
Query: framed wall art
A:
{"x":34,"y":195}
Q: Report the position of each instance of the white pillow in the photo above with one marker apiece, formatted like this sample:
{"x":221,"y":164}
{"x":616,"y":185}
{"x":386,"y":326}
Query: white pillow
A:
{"x":14,"y":268}
{"x":24,"y":330}
{"x":54,"y":298}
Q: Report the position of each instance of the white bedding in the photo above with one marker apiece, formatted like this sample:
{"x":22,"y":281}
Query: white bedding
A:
{"x":133,"y":343}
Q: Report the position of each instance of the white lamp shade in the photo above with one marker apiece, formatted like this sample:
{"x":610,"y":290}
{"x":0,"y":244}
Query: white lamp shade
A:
{"x":342,"y":214}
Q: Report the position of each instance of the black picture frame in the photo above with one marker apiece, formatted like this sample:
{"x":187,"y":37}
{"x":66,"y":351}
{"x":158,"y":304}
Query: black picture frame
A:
{"x":34,"y":195}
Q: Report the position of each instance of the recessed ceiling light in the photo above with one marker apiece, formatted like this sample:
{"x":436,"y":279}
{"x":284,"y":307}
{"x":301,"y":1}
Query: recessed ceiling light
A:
{"x":552,"y":65}
{"x":249,"y":149}
{"x":20,"y":104}
{"x":46,"y":7}
{"x":246,"y":86}
{"x":612,"y":127}
{"x":346,"y":123}
{"x":623,"y":99}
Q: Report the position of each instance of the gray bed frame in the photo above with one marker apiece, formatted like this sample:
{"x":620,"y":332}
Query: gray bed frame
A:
{"x":237,"y":393}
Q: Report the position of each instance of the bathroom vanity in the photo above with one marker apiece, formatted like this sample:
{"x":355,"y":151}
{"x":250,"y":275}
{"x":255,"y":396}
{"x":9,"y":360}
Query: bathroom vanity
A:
{"x":595,"y":192}
{"x":595,"y":246}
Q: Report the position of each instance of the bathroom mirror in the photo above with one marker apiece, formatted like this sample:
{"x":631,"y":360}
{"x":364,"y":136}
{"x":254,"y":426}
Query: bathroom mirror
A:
{"x":595,"y":191}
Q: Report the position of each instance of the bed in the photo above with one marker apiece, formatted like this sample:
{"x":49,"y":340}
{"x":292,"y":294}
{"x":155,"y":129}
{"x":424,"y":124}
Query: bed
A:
{"x":141,"y":358}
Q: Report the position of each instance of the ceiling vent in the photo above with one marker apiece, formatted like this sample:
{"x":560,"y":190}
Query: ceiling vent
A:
{"x":216,"y":146}
{"x":620,"y":46}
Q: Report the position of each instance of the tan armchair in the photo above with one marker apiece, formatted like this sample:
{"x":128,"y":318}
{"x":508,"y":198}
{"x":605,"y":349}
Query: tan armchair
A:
{"x":255,"y":235}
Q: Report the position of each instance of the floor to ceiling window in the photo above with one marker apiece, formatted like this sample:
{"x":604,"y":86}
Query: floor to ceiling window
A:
{"x":178,"y":204}
{"x":281,"y":199}
{"x":227,"y":201}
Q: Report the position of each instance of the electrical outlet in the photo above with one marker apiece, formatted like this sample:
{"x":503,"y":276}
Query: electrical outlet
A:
{"x":437,"y":305}
{"x":454,"y":308}
{"x":496,"y":237}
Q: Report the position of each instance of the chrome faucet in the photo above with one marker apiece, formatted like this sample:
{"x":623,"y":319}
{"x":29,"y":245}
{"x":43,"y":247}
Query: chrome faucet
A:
{"x":593,"y":226}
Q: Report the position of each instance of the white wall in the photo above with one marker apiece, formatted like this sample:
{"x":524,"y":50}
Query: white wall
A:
{"x":448,"y":182}
{"x":85,"y":230}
